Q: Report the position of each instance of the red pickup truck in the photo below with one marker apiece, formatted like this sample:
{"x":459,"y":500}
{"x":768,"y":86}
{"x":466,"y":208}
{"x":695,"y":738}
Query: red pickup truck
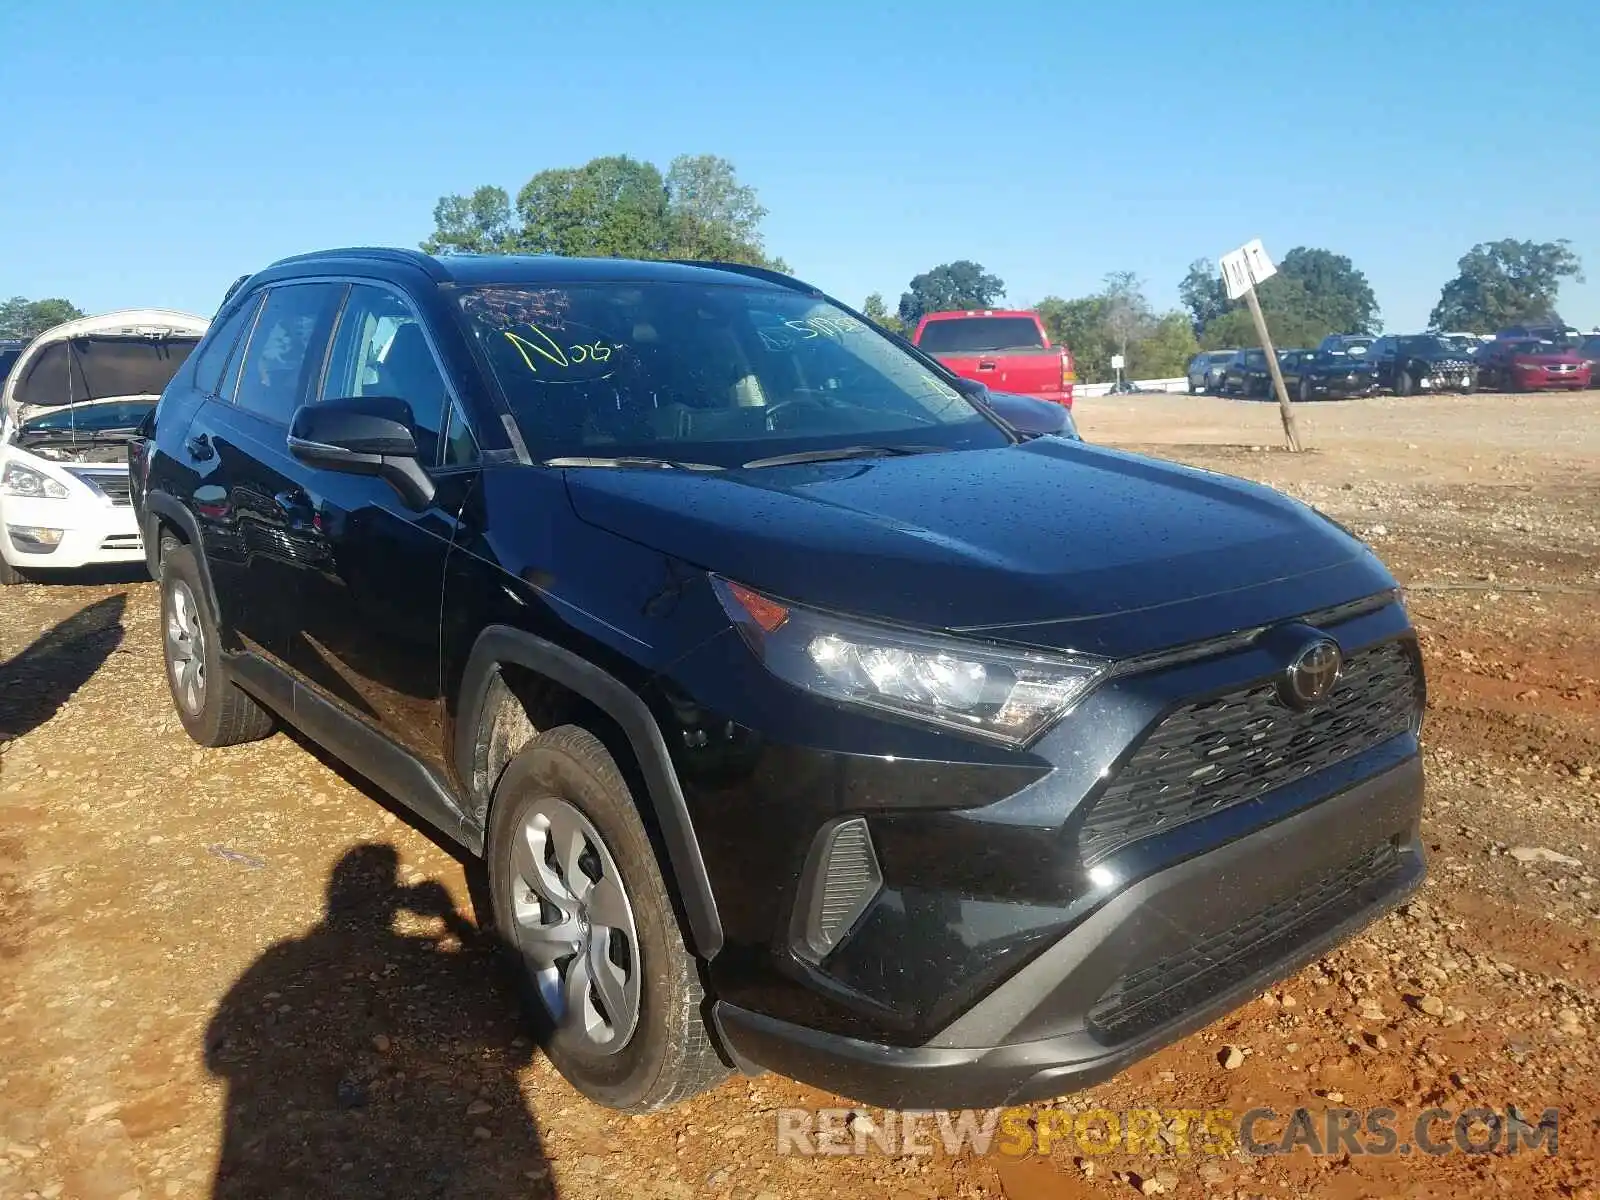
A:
{"x":1007,"y":350}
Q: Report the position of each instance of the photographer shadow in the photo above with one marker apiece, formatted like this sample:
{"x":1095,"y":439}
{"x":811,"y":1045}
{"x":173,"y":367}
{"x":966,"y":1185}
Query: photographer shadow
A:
{"x":363,"y":1061}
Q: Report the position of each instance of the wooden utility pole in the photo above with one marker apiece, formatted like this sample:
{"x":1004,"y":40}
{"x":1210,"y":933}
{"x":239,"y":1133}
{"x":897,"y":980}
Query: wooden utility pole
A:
{"x":1284,"y":408}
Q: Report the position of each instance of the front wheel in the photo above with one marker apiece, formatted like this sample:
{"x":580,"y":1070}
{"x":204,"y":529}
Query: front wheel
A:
{"x":578,"y":899}
{"x":1305,"y":391}
{"x":1402,"y":383}
{"x":10,"y":575}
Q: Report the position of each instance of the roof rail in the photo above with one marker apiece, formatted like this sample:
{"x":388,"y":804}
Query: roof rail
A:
{"x":395,"y":254}
{"x":766,"y":273}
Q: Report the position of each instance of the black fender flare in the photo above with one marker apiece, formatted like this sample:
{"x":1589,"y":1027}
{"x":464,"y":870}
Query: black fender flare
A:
{"x":161,"y":508}
{"x":499,"y":644}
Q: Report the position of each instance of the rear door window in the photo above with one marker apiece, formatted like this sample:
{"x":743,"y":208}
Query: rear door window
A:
{"x":973,"y":335}
{"x":285,"y":348}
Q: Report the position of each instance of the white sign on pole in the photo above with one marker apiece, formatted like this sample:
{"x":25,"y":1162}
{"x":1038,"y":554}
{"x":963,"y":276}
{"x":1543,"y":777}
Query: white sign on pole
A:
{"x":1116,"y":362}
{"x":1246,"y":267}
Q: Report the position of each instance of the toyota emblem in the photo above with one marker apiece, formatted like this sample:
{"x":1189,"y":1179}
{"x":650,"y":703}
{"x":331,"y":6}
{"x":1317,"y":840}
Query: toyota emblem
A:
{"x":1311,"y":675}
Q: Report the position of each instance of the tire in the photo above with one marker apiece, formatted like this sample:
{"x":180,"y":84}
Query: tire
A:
{"x":1402,"y":383}
{"x":1305,"y":390}
{"x":645,"y":1046}
{"x":1192,"y":389}
{"x":214,"y":710}
{"x":10,"y":575}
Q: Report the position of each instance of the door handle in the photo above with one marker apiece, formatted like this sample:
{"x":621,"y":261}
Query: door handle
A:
{"x":984,"y":365}
{"x":292,"y":502}
{"x":199,"y":447}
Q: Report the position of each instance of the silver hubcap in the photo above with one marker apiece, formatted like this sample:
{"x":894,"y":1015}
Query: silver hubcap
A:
{"x":574,"y":926}
{"x":186,"y":648}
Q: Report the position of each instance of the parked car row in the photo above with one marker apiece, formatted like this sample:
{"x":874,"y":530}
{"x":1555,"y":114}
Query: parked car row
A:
{"x":1342,"y":366}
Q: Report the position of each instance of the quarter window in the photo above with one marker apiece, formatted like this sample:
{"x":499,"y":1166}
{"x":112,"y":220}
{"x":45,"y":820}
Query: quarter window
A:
{"x":213,"y":358}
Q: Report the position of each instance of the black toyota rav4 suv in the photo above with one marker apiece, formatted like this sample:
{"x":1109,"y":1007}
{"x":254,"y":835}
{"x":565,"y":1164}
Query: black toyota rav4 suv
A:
{"x":807,"y":715}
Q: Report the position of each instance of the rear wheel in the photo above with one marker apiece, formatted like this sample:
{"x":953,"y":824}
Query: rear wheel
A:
{"x":578,"y":897}
{"x":1305,"y":390}
{"x":1402,"y":383}
{"x":214,"y":710}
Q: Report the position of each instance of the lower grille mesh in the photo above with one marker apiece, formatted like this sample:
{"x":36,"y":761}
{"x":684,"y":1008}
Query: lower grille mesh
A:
{"x":1150,"y":997}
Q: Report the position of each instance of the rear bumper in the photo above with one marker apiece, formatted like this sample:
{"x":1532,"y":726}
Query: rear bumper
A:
{"x":1157,"y":960}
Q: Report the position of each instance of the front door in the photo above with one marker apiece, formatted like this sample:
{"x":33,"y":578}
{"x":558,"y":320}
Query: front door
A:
{"x":367,"y":636}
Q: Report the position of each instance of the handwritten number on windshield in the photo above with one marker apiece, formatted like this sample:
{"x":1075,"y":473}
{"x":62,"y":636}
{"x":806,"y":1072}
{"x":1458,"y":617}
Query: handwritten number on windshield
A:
{"x":546,"y":347}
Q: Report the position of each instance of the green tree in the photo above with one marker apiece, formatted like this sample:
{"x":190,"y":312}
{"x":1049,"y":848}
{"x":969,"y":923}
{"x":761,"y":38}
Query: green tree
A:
{"x":1128,"y":318}
{"x":25,"y":319}
{"x":952,"y":285}
{"x":1336,"y":293}
{"x":1080,"y":326}
{"x":876,"y":311}
{"x":479,"y":224}
{"x":612,"y":206}
{"x":1505,"y":282}
{"x":711,"y":215}
{"x":1291,"y":320}
{"x":1203,"y":293}
{"x":1165,"y":350}
{"x":609,"y":207}
{"x":1314,"y":293}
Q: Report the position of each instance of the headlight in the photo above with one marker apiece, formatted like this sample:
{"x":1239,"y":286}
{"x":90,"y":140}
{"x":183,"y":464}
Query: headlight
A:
{"x":991,"y":692}
{"x":19,"y":480}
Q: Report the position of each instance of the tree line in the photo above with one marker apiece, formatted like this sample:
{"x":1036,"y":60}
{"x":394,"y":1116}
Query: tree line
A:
{"x":618,"y":206}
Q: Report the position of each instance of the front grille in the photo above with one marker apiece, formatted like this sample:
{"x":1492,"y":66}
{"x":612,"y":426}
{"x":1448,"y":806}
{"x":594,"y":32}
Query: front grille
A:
{"x":113,"y":485}
{"x":1232,"y":748}
{"x":1151,"y":996}
{"x":121,"y":541}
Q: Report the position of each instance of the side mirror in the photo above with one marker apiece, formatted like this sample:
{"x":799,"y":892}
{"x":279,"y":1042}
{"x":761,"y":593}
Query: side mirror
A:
{"x":1037,"y":417}
{"x":973,"y":389}
{"x":363,"y":435}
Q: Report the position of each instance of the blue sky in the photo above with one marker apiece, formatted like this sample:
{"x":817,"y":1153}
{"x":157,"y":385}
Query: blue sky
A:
{"x":152,"y":152}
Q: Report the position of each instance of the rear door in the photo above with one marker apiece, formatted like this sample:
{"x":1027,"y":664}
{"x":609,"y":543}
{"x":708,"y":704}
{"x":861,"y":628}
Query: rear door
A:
{"x":367,"y":635}
{"x":260,"y":537}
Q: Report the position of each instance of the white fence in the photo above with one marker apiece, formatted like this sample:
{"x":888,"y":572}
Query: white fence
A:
{"x":1180,"y":384}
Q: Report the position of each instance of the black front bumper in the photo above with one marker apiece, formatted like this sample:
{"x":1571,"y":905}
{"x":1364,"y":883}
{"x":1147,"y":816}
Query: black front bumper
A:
{"x":1158,"y":959}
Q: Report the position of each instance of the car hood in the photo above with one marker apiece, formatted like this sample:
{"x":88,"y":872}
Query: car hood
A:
{"x":119,"y":355}
{"x":1049,"y":543}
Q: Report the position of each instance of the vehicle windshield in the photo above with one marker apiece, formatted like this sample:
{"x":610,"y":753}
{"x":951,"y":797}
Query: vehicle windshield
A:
{"x":715,"y":374}
{"x":1427,"y":345}
{"x":1354,"y":347}
{"x":87,"y":419}
{"x":1531,"y":347}
{"x":1224,"y":358}
{"x":973,"y":335}
{"x":8,"y":359}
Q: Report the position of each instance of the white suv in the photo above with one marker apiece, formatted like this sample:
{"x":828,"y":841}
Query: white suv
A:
{"x":71,"y":402}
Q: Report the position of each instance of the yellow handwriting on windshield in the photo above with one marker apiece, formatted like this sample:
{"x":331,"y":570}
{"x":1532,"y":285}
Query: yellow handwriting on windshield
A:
{"x":544,"y":346}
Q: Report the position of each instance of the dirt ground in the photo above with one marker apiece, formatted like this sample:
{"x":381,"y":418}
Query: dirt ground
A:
{"x":243,"y":960}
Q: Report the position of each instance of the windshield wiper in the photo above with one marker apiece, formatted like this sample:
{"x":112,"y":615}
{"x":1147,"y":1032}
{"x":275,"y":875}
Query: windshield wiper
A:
{"x":630,"y":461}
{"x":840,"y":453}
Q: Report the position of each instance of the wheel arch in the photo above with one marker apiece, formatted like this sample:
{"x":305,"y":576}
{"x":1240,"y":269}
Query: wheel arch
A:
{"x":162,"y":512}
{"x":483,"y":695}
